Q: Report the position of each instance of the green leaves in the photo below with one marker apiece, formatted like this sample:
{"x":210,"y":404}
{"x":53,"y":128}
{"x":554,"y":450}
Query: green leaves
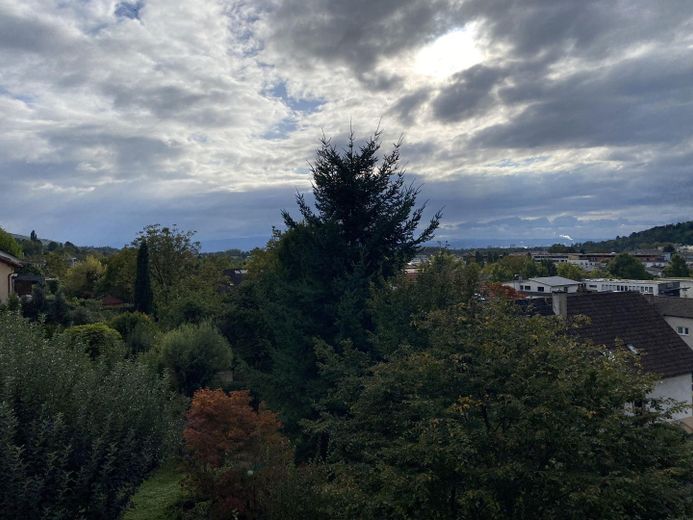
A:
{"x":497,"y":415}
{"x":76,"y":435}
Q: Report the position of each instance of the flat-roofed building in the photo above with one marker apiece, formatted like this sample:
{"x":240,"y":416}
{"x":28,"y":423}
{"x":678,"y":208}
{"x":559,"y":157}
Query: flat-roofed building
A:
{"x":544,"y":285}
{"x":653,"y":287}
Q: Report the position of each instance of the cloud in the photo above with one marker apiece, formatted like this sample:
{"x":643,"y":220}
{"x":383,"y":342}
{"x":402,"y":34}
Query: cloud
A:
{"x":114,"y":115}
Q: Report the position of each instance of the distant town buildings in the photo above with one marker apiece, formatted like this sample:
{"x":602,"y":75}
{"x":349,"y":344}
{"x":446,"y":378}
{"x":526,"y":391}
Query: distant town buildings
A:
{"x":653,"y":287}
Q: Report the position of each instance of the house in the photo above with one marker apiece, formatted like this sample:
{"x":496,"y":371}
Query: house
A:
{"x":544,"y":285}
{"x":8,"y":264}
{"x":685,"y":286}
{"x":653,"y":287}
{"x":628,"y":318}
{"x":678,"y":313}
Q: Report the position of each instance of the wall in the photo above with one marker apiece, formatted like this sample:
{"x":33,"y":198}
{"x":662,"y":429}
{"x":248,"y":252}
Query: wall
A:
{"x":678,"y":388}
{"x":5,"y":271}
{"x":675,"y":321}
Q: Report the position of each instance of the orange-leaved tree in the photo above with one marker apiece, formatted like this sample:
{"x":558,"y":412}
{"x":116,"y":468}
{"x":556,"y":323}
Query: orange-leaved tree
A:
{"x":236,"y":453}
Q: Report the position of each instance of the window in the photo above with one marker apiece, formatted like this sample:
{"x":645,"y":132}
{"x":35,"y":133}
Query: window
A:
{"x":540,"y":288}
{"x":683,"y":331}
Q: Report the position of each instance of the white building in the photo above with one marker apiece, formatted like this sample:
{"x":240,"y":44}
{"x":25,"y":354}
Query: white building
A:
{"x":628,"y":320}
{"x":678,"y":313}
{"x":652,"y":287}
{"x":545,"y":285}
{"x":685,"y":286}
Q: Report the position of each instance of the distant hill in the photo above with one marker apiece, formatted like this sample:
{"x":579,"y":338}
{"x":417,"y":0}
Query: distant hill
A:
{"x":681,"y":233}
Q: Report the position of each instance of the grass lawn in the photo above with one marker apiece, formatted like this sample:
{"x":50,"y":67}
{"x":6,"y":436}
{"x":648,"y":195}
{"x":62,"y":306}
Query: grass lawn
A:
{"x":157,"y":495}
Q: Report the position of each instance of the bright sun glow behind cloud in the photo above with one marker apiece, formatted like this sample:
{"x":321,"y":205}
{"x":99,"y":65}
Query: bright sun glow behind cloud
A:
{"x":452,"y":52}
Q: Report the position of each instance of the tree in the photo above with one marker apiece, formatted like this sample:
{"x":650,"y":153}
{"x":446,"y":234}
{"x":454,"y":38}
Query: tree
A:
{"x":193,"y":355}
{"x":677,"y":267}
{"x":572,"y":271}
{"x":373,"y":213}
{"x":119,"y":278}
{"x":173,"y":257}
{"x":97,"y":340}
{"x":237,"y":456}
{"x":511,"y":266}
{"x":144,"y":299}
{"x":137,"y":329}
{"x":497,"y":415}
{"x":82,"y":280}
{"x":628,"y":267}
{"x":313,"y":281}
{"x":57,"y":264}
{"x":8,"y":244}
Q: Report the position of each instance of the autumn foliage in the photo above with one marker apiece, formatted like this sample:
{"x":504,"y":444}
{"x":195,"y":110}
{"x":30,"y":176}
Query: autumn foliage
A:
{"x":236,"y":453}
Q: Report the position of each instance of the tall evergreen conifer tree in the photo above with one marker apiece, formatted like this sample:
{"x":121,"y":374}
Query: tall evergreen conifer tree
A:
{"x":144,"y":298}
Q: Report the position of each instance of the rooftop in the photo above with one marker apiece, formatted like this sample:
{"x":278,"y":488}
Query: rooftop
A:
{"x":670,"y":306}
{"x":554,"y":281}
{"x":625,"y":280}
{"x":9,"y":259}
{"x":629,"y":317}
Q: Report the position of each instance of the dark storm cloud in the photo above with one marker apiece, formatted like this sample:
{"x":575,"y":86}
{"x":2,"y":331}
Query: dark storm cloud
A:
{"x":469,"y":93}
{"x":360,"y":32}
{"x":634,"y":102}
{"x":408,"y":106}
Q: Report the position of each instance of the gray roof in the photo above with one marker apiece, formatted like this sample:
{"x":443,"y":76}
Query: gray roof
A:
{"x":9,"y":259}
{"x":628,"y":317}
{"x":554,"y":281}
{"x":625,"y":316}
{"x":671,"y":306}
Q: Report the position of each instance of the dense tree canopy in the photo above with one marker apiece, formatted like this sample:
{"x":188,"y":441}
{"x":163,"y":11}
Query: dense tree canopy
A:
{"x":571,"y":271}
{"x":493,"y":415}
{"x":629,"y":267}
{"x":314,"y":279}
{"x":677,"y":267}
{"x":172,"y":255}
{"x":76,"y":435}
{"x":8,"y":244}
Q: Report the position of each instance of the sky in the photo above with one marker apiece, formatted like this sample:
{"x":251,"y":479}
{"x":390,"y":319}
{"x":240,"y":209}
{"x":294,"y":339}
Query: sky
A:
{"x":521,"y":119}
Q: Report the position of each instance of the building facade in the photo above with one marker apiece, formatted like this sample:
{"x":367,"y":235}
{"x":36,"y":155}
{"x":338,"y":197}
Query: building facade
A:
{"x":8,"y":265}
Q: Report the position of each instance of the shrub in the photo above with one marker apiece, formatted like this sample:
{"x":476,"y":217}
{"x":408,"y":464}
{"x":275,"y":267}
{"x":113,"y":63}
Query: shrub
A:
{"x":193,"y":354}
{"x":137,"y":329}
{"x":96,"y":339}
{"x":76,"y":436}
{"x":236,"y":454}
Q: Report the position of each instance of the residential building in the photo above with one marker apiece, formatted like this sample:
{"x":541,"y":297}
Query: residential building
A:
{"x":544,"y":285}
{"x":653,"y":287}
{"x":685,"y":286}
{"x":628,"y":320}
{"x":8,"y":265}
{"x":678,"y":313}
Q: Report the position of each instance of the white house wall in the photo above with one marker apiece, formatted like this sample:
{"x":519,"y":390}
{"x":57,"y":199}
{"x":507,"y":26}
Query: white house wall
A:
{"x":675,"y":321}
{"x":677,"y":388}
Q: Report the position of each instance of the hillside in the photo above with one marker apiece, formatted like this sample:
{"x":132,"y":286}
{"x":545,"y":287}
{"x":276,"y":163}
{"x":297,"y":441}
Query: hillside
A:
{"x":681,"y":233}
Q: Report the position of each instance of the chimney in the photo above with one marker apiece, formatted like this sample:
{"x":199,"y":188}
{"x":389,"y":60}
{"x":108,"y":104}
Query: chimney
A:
{"x":559,"y":301}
